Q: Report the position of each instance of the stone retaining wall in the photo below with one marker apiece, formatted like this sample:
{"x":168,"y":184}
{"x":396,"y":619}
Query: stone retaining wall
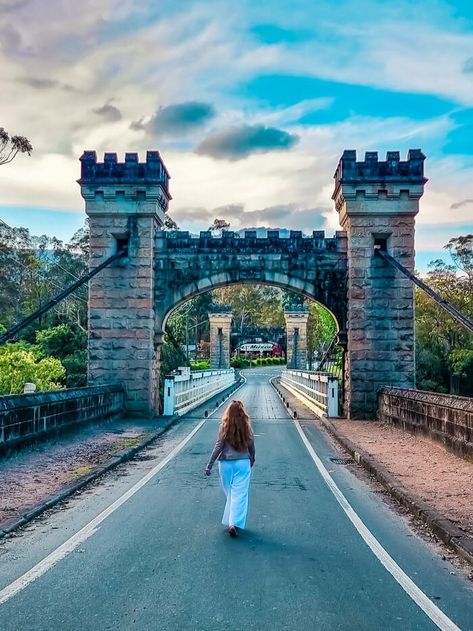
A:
{"x":445,"y":418}
{"x":27,"y":417}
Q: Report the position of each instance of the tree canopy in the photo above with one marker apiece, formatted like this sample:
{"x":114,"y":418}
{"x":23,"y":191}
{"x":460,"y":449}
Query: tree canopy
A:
{"x":11,"y":146}
{"x":444,"y":358}
{"x":35,"y":268}
{"x":219,"y":226}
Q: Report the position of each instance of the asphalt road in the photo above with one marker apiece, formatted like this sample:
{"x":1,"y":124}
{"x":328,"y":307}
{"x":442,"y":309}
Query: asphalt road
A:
{"x":159,"y":559}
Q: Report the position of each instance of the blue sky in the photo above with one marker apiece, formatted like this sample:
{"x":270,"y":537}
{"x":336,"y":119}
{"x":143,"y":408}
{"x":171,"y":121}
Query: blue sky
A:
{"x":251,"y":105}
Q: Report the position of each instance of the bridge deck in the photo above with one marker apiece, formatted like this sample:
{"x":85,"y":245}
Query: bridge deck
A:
{"x":162,"y":561}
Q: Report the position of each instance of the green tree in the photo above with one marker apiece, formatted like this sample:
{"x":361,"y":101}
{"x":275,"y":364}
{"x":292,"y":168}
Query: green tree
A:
{"x":75,"y":365}
{"x":253,"y":305}
{"x":170,"y":224}
{"x":68,"y":344}
{"x":321,"y":329}
{"x":11,"y":146}
{"x":20,"y":365}
{"x":61,"y":340}
{"x":219,"y":226}
{"x":189,"y":322}
{"x":443,"y":346}
{"x":33,"y":270}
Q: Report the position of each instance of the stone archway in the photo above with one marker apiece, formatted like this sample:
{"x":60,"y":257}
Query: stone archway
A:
{"x":296,"y":318}
{"x":377,"y":203}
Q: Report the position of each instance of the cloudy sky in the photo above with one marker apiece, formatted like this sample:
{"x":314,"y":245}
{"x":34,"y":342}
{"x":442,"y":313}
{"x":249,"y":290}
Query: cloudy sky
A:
{"x":250,"y":104}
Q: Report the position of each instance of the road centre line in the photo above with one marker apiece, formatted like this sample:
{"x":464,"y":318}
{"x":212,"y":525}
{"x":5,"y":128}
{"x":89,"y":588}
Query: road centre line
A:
{"x":441,"y":620}
{"x":91,"y":528}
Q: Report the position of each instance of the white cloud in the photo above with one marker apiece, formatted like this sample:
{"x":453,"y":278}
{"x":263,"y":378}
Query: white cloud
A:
{"x":47,"y":181}
{"x":199,"y":54}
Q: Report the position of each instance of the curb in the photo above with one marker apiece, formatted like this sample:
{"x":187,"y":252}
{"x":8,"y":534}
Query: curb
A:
{"x":72,"y":488}
{"x":442,"y":527}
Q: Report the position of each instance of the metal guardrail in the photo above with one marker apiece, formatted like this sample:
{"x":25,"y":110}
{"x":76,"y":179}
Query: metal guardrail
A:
{"x":187,"y":389}
{"x":320,"y":389}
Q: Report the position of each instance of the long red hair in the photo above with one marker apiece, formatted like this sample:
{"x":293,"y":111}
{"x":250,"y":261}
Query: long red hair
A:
{"x":235,"y":427}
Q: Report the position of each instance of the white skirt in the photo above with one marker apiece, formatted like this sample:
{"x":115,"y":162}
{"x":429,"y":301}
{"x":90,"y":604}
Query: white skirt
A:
{"x":235,"y":479}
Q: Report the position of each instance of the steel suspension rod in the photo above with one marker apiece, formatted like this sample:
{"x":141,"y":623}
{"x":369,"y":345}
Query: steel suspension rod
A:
{"x":54,"y":301}
{"x":453,"y":311}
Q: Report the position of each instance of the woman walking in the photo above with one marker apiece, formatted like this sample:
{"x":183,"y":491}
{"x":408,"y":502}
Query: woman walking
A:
{"x":235,"y":452}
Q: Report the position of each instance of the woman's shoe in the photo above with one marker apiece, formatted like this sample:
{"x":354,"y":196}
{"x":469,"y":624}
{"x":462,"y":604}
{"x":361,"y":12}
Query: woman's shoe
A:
{"x":232,"y":531}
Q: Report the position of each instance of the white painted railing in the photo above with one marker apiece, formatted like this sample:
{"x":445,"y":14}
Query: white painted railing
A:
{"x":187,"y":389}
{"x":319,"y":389}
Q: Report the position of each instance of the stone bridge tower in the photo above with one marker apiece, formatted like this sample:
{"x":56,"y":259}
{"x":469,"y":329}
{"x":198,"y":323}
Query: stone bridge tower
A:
{"x":130,"y":301}
{"x":125,"y":203}
{"x":220,"y":331}
{"x":377,"y":202}
{"x":296,"y":317}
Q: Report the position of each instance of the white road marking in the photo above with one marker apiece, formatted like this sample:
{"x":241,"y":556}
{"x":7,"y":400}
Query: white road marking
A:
{"x":437,"y":616}
{"x":91,"y":528}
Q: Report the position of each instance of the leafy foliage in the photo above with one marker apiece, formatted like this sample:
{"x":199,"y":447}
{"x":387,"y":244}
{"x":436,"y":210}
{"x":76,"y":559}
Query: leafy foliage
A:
{"x":170,"y":224}
{"x":253,"y":305}
{"x":61,"y":340}
{"x":203,"y":364}
{"x":219,"y":226}
{"x":11,"y":146}
{"x":75,"y":365}
{"x":32,"y":271}
{"x":20,"y":365}
{"x":321,"y":329}
{"x":69,"y":345}
{"x":444,"y":348}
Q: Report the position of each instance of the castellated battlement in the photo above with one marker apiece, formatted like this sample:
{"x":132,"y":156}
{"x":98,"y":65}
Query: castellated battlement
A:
{"x":372,"y":169}
{"x":296,"y":242}
{"x":130,"y":172}
{"x":391,"y":184}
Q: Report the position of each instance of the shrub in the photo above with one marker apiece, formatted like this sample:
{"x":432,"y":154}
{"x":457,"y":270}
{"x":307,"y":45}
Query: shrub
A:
{"x":61,"y":340}
{"x":76,"y":369}
{"x":203,"y":364}
{"x":20,"y":365}
{"x":239,"y":362}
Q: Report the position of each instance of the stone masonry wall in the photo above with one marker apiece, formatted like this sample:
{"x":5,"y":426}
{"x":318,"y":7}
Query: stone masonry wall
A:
{"x":377,"y":202}
{"x":296,"y":342}
{"x":27,"y":417}
{"x":381,"y":342}
{"x":220,"y":330}
{"x":373,"y":304}
{"x":315,"y":266}
{"x":125,"y":203}
{"x":445,"y":418}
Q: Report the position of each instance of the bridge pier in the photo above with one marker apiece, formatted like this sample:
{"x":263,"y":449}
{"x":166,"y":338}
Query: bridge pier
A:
{"x":377,"y":203}
{"x":220,"y":330}
{"x":296,"y":317}
{"x":125,"y":203}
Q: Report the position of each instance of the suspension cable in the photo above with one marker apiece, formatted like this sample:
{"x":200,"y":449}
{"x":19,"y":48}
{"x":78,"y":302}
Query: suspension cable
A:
{"x":453,"y":311}
{"x":38,"y":275}
{"x":49,"y":305}
{"x":175,"y":343}
{"x":327,"y":353}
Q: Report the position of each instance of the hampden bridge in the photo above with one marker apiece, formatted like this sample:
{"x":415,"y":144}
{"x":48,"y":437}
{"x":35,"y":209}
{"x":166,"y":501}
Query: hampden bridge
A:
{"x":322,"y":549}
{"x":373,"y":304}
